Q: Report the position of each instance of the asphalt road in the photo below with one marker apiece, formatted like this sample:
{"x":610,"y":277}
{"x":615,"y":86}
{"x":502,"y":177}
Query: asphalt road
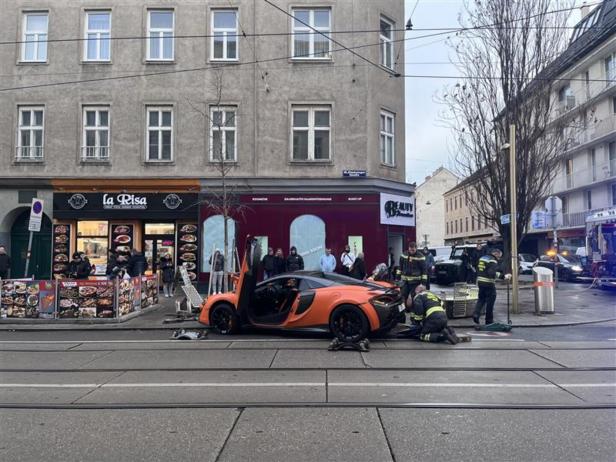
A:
{"x":537,"y":395}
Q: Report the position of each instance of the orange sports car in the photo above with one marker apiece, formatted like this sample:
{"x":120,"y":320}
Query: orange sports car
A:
{"x":350,"y":309}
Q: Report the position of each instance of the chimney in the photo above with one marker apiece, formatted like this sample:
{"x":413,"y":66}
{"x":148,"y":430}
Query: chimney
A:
{"x":584,"y":9}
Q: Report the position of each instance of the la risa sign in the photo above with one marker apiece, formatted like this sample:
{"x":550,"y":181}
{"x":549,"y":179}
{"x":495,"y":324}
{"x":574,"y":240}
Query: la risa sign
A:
{"x":124,"y":201}
{"x":397,"y":210}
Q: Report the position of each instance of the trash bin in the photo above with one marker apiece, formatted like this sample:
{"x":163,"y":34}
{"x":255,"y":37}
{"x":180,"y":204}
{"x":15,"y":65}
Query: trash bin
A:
{"x":543,"y":284}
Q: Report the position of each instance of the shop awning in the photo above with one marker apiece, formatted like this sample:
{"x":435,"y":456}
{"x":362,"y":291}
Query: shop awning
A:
{"x":604,"y":216}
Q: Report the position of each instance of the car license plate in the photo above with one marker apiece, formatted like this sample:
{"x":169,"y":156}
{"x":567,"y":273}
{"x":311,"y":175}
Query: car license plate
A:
{"x":401,"y":307}
{"x":442,"y":272}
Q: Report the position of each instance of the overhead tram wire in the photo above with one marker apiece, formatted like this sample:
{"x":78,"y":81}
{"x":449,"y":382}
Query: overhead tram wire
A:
{"x":353,"y":52}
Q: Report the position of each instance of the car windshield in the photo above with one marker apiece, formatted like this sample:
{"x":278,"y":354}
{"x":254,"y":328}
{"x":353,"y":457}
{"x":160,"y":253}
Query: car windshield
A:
{"x":573,"y":259}
{"x":339,"y":279}
{"x":528,"y":257}
{"x":457,"y":253}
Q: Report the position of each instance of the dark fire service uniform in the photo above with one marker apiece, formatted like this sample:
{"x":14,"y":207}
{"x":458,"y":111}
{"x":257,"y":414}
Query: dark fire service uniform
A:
{"x":488,"y":270}
{"x":430,"y":320}
{"x":412,"y":272}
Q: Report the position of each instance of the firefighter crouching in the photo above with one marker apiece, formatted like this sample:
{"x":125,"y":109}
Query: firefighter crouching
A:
{"x":488,"y":270}
{"x":411,"y":272}
{"x":429,"y":319}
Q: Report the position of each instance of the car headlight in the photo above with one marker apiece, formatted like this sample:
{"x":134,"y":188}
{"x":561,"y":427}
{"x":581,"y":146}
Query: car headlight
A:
{"x":576,"y":268}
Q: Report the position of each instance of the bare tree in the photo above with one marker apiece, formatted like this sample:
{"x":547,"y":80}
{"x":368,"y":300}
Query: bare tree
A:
{"x":222,"y":198}
{"x":504,"y":59}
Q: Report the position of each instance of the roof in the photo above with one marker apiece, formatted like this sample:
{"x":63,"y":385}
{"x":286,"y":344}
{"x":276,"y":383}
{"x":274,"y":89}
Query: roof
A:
{"x":437,"y":172}
{"x":467,"y":181}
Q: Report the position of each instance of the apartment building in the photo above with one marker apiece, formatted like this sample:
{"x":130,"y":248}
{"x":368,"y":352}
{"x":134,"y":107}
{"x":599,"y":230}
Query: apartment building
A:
{"x":122,"y":115}
{"x":431,"y":206}
{"x":586,"y":103}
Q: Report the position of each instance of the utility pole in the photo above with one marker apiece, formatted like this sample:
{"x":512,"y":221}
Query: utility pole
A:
{"x":513,"y":188}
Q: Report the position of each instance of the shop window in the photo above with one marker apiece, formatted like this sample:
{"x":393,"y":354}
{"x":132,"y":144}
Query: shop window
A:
{"x":159,"y":228}
{"x":93,"y":240}
{"x":214,"y":238}
{"x":308,"y":235}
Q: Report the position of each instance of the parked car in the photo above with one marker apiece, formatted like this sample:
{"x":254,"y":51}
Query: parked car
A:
{"x":440,"y":253}
{"x":526,"y":261}
{"x":569,"y":267}
{"x":348,"y":308}
{"x":453,"y":270}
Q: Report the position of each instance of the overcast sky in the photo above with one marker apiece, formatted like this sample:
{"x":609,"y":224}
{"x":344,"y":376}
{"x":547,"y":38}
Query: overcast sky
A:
{"x":429,"y":146}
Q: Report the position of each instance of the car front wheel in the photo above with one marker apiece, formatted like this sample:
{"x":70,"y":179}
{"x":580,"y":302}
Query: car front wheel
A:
{"x":224,"y":319}
{"x":349,"y":324}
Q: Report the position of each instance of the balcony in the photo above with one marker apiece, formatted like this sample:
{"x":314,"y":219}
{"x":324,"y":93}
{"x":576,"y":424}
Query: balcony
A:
{"x":585,"y":177}
{"x":95,"y":153}
{"x":29,"y":154}
{"x":571,"y":220}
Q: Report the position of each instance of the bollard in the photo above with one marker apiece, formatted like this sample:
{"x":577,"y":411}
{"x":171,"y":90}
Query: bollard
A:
{"x":543,"y":286}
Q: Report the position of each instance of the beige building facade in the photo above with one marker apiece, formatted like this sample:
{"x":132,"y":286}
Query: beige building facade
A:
{"x":431,"y":207}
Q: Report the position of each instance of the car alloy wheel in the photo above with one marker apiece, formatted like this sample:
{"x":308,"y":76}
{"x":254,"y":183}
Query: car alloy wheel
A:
{"x":224,"y":320}
{"x":349,"y":324}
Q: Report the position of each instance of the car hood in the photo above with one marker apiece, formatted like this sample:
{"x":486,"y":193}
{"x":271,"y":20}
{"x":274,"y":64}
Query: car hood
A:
{"x":449,"y":262}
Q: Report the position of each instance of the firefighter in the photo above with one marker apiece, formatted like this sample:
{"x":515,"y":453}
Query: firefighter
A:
{"x":488,"y":270}
{"x":429,"y":319}
{"x":411,"y":272}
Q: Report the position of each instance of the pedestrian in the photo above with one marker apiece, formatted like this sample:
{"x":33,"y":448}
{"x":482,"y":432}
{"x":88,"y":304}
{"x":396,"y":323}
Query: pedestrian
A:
{"x":358,"y":270}
{"x":391,"y":263}
{"x":328,"y":261}
{"x":295,"y":262}
{"x":465,"y":266}
{"x":168,"y":269}
{"x":269,"y":264}
{"x":78,"y":268}
{"x":280,"y":263}
{"x":113,"y":268}
{"x":429,"y":319}
{"x":429,"y":265}
{"x":218,"y":272}
{"x":412,"y":272}
{"x":347,"y":259}
{"x":488,"y":270}
{"x":137,"y":264}
{"x":5,"y":263}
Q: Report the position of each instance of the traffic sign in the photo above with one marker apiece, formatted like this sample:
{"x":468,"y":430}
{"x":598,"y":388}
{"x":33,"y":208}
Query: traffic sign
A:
{"x":538,"y":219}
{"x":36,"y":215}
{"x":505,"y":219}
{"x":554,"y":206}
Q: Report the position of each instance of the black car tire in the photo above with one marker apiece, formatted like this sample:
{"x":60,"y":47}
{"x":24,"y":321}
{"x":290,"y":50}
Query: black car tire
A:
{"x":349,"y":324}
{"x":224,"y":320}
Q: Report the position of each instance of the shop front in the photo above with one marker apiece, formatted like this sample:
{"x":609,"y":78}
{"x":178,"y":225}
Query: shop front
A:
{"x":368,"y":223}
{"x":153,"y":223}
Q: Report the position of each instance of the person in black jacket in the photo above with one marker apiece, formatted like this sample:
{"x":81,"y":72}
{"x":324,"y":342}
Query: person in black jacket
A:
{"x":488,"y":270}
{"x":269,"y":264}
{"x":78,"y":268}
{"x":429,"y":319}
{"x":358,"y":270}
{"x":280,"y":264}
{"x":295,"y":262}
{"x":5,"y":263}
{"x":168,"y":270}
{"x":113,"y":268}
{"x":137,"y":264}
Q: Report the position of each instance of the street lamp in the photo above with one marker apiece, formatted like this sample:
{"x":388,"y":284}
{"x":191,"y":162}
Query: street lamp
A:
{"x":513,"y":221}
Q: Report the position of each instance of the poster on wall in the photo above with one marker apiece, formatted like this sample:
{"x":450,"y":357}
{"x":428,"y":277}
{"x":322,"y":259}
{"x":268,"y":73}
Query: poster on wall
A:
{"x":27,"y":299}
{"x":61,"y":250}
{"x":356,"y":243}
{"x":86,"y":299}
{"x":122,"y":241}
{"x":397,"y":210}
{"x":188,"y":248}
{"x":149,"y":291}
{"x":127,"y":290}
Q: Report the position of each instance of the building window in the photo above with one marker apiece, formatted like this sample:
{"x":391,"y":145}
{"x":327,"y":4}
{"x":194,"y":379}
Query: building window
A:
{"x":592,"y":160}
{"x":614,"y":104}
{"x":307,"y":234}
{"x":386,"y":36}
{"x":95,"y":134}
{"x":587,"y":83}
{"x":610,"y":70}
{"x":311,"y":133}
{"x":565,"y":205}
{"x":160,"y":35}
{"x":478,"y":223}
{"x":455,"y":202}
{"x":224,"y":31}
{"x":93,"y":240}
{"x":34,"y":46}
{"x":307,"y":43}
{"x":31,"y":131}
{"x":447,"y":228}
{"x":223,"y":139}
{"x":388,"y":137}
{"x":472,"y":223}
{"x":611,"y":148}
{"x":461,"y":228}
{"x":213,"y":237}
{"x":588,"y":199}
{"x":160,"y":134}
{"x":456,"y":223}
{"x":466,"y":225}
{"x":97,"y":36}
{"x":446,"y":206}
{"x":614,"y":194}
{"x":485,"y":223}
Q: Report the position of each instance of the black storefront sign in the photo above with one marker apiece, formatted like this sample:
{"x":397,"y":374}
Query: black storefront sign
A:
{"x":117,"y":206}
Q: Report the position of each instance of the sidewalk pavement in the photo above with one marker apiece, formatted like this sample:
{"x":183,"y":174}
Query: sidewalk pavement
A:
{"x":574,"y":304}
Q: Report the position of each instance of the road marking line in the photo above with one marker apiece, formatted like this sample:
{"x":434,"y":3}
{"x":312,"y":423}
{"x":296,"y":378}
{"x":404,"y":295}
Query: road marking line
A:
{"x":305,"y":384}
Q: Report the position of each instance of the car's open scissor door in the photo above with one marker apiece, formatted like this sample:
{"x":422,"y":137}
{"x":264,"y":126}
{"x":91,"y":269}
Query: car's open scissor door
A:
{"x":248,"y":277}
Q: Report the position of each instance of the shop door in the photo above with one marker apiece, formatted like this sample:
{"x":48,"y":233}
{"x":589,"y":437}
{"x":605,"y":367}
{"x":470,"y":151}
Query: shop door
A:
{"x":396,"y":242}
{"x":157,"y":246}
{"x":40,"y":262}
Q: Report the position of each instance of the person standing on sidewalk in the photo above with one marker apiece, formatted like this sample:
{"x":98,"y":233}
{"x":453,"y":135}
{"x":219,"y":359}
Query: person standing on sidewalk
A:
{"x":328,"y":261}
{"x":358,"y":270}
{"x":295,"y":262}
{"x":5,"y":263}
{"x":218,"y":270}
{"x":429,"y":265}
{"x":488,"y":270}
{"x":347,"y":259}
{"x":269,"y":264}
{"x":280,"y":264}
{"x":168,"y":270}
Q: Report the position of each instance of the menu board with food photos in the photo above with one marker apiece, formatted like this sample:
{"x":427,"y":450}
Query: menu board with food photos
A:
{"x":86,"y":299}
{"x":27,"y":299}
{"x":61,"y":250}
{"x":128,"y":291}
{"x":149,"y":291}
{"x":188,"y":249}
{"x":122,"y":238}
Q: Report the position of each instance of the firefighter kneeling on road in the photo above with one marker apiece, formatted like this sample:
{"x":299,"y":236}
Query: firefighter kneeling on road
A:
{"x":429,"y":320}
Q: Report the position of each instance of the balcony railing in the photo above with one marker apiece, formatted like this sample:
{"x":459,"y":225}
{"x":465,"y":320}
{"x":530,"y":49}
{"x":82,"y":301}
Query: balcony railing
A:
{"x":575,"y":219}
{"x":29,"y":154}
{"x":95,"y":153}
{"x":585,"y":177}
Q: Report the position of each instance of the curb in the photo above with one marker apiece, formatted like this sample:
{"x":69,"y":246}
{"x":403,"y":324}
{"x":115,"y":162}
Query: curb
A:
{"x":562,"y":324}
